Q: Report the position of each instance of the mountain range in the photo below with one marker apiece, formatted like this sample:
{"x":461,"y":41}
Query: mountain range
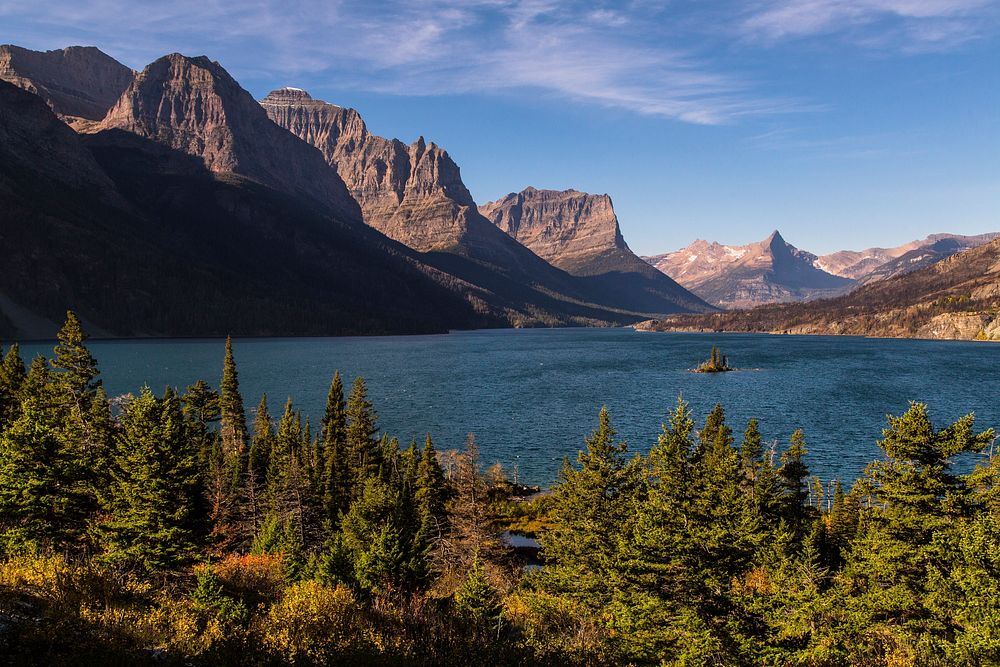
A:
{"x":182,"y":206}
{"x":773,"y":271}
{"x":768,"y":271}
{"x":957,"y":297}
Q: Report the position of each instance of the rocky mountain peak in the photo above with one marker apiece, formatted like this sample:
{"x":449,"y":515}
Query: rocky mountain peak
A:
{"x":771,"y":270}
{"x":193,"y":105}
{"x":78,"y":82}
{"x":413,"y":194}
{"x":567,"y":228}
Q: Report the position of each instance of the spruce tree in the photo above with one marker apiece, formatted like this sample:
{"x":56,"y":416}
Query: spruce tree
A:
{"x":43,"y":488}
{"x":12,"y":376}
{"x":258,"y":461}
{"x":149,"y":508}
{"x":336,"y":495}
{"x":233,"y":429}
{"x":794,"y":476}
{"x":75,"y":367}
{"x":430,"y":496}
{"x":364,"y":458}
{"x":590,"y":505}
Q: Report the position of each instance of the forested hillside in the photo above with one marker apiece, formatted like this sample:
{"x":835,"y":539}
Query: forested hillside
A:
{"x":167,"y":528}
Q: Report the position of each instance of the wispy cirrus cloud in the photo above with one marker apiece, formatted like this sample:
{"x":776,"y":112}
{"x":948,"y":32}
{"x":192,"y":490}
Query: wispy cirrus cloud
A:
{"x":651,"y":58}
{"x":903,"y":25}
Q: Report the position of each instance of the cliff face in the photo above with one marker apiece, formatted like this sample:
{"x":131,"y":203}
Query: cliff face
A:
{"x":78,"y":82}
{"x":569,"y":229}
{"x":193,"y":105}
{"x":768,"y":271}
{"x":413,"y":194}
{"x":141,"y":239}
{"x":955,"y":298}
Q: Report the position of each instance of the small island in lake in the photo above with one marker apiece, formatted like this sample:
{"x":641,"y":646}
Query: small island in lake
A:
{"x":717,"y":363}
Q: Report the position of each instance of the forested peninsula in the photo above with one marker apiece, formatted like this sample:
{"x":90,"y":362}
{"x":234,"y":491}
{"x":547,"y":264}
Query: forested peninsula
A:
{"x":166,"y":528}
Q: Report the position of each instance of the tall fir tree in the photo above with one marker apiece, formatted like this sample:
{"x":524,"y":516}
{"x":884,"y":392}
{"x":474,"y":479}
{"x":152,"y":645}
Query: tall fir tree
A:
{"x":591,"y":504}
{"x":76,"y":372}
{"x":12,"y":376}
{"x":233,"y":427}
{"x":364,"y":458}
{"x":149,"y":509}
{"x":258,"y":462}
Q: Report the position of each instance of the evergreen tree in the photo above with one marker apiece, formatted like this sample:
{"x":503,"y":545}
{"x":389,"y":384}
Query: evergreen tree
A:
{"x":431,"y":495}
{"x":590,"y":505}
{"x":76,"y":369}
{"x":150,"y":506}
{"x":233,"y":429}
{"x":258,"y":462}
{"x":751,"y":450}
{"x":12,"y":376}
{"x":794,"y":476}
{"x":42,"y":485}
{"x":901,"y":566}
{"x":364,"y":455}
{"x":335,"y":482}
{"x":378,"y":540}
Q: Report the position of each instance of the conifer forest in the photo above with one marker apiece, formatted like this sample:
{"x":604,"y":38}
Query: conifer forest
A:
{"x":196,"y":526}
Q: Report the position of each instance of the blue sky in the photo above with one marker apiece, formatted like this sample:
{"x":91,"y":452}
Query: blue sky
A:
{"x":842,"y":123}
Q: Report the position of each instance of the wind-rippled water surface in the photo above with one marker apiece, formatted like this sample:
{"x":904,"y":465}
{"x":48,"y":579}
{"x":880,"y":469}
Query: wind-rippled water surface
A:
{"x":530,"y":396}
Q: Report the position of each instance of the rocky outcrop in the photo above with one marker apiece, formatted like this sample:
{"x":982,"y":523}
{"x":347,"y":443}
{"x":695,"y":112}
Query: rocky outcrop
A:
{"x":78,"y":82}
{"x":955,"y":298}
{"x":570,"y":229}
{"x":193,"y":105}
{"x":769,"y":271}
{"x":414,"y":194}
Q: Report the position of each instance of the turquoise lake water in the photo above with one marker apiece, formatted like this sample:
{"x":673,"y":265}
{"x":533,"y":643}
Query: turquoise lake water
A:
{"x":531,"y":395}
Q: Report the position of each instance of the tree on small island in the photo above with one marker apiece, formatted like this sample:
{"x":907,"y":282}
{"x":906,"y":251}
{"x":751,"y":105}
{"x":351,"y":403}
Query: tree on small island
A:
{"x":717,"y":363}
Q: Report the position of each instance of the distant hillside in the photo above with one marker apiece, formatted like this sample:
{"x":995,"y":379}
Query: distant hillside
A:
{"x":878,"y":263}
{"x":955,"y":298}
{"x":768,"y":271}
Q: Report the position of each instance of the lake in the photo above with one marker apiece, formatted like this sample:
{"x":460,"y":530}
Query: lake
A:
{"x":531,"y":395}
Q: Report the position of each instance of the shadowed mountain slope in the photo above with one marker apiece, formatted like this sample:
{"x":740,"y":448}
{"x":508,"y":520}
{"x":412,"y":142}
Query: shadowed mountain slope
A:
{"x":142,"y":239}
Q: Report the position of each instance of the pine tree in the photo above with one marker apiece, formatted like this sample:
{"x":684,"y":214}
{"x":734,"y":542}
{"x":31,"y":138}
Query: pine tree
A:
{"x":12,"y":376}
{"x":751,"y":450}
{"x":76,"y":369}
{"x":430,"y":497}
{"x":233,"y":429}
{"x":42,"y":486}
{"x":150,"y":507}
{"x":794,"y":476}
{"x":335,"y":483}
{"x":590,"y":505}
{"x":258,"y":462}
{"x":363,"y":452}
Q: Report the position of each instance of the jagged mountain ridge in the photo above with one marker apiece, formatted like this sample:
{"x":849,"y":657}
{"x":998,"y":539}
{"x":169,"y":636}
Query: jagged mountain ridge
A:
{"x":80,"y":83}
{"x":142,"y":239}
{"x":769,"y":271}
{"x":193,"y":105}
{"x":414,"y":194}
{"x":955,"y":298}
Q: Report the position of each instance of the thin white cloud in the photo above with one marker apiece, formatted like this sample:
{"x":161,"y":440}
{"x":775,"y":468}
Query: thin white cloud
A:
{"x":902,"y":25}
{"x":636,"y":56}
